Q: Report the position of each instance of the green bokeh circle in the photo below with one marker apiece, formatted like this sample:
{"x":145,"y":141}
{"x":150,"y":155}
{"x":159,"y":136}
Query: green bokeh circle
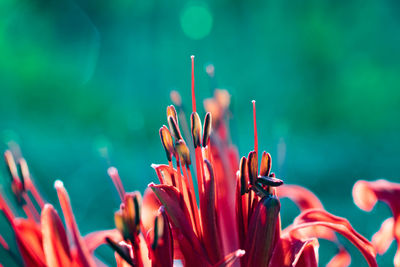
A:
{"x":196,"y":21}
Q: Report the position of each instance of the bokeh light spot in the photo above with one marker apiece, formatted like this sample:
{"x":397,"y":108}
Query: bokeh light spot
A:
{"x":196,"y":21}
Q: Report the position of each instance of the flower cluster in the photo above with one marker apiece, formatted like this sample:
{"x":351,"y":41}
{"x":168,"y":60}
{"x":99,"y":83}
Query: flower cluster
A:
{"x":226,"y":213}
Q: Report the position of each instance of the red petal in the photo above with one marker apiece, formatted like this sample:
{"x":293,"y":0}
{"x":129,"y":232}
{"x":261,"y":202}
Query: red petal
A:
{"x":384,"y":237}
{"x":55,"y":241}
{"x":150,"y":207}
{"x":164,"y":251}
{"x":95,"y":239}
{"x":29,"y":240}
{"x":4,"y":243}
{"x":211,"y":237}
{"x":305,"y":199}
{"x":263,"y":233}
{"x":366,"y":194}
{"x":164,"y":173}
{"x":82,"y":255}
{"x":302,"y":197}
{"x":225,"y":165}
{"x":177,"y":213}
{"x":314,"y":217}
{"x":294,"y":252}
{"x":342,"y":259}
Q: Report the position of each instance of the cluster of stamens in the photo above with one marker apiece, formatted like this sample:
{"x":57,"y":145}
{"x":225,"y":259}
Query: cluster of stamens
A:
{"x":261,"y":182}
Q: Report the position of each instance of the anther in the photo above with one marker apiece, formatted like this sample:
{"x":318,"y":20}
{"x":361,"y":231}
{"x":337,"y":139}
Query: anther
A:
{"x":243,"y":175}
{"x":183,"y":152}
{"x":174,"y":128}
{"x":207,"y":129}
{"x":195,"y":123}
{"x":252,"y":166}
{"x":167,"y":142}
{"x":266,"y":162}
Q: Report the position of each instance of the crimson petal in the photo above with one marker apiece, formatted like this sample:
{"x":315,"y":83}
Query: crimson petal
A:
{"x":315,"y":217}
{"x":55,"y":241}
{"x":263,"y":233}
{"x":366,"y":194}
{"x":177,"y":213}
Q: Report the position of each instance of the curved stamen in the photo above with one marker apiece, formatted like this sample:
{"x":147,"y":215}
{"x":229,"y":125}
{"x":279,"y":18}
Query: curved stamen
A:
{"x":193,"y":95}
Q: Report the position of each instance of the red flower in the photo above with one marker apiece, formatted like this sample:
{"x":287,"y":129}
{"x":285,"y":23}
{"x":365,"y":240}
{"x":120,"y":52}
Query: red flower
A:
{"x":365,"y":195}
{"x":231,"y":222}
{"x":231,"y":210}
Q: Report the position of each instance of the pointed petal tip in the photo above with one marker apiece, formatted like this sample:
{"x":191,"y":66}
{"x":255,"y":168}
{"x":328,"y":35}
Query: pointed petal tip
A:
{"x":363,"y":196}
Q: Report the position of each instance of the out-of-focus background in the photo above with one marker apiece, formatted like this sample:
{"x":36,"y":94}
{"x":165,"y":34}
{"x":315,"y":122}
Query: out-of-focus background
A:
{"x":84,"y":85}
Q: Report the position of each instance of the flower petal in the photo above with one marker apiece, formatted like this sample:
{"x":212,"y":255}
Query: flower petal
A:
{"x":81,"y":255}
{"x":95,"y":239}
{"x":178,"y":216}
{"x":150,"y":207}
{"x":315,"y":217}
{"x":384,"y":237}
{"x":366,"y":194}
{"x":29,"y":241}
{"x":211,"y":237}
{"x":55,"y":241}
{"x":342,"y":259}
{"x":302,"y":197}
{"x":304,"y":200}
{"x":163,"y":252}
{"x":263,"y":233}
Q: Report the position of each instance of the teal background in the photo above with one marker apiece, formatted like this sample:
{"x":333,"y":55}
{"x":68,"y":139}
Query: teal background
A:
{"x":85,"y":84}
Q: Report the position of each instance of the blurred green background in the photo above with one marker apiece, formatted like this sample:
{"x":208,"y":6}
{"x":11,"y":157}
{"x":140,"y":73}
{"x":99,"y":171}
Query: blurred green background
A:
{"x":85,"y":84}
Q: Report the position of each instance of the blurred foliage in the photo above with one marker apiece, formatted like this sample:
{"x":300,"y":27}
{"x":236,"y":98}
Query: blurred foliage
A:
{"x":84,"y":84}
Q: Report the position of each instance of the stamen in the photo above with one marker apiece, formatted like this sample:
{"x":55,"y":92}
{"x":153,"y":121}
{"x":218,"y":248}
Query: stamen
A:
{"x":65,"y":203}
{"x":252,"y":166}
{"x":131,"y":213}
{"x":195,"y":124}
{"x":171,"y":111}
{"x":173,"y":126}
{"x":269,"y":181}
{"x":120,"y":224}
{"x":29,"y":183}
{"x":193,"y":95}
{"x":120,"y":250}
{"x":113,"y":173}
{"x":4,"y":243}
{"x":11,"y":164}
{"x":158,"y":230}
{"x":167,"y":142}
{"x":255,"y":129}
{"x":207,"y":129}
{"x":266,"y":163}
{"x":183,"y":152}
{"x":196,"y":134}
{"x":6,"y":209}
{"x":243,"y":175}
